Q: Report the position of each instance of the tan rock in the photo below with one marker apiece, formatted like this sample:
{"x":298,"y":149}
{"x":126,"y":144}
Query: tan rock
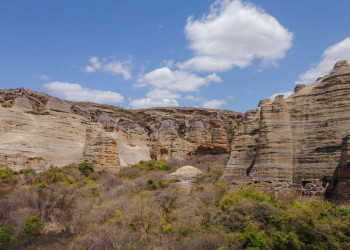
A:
{"x":298,"y":138}
{"x":185,"y":172}
{"x":185,"y":176}
{"x":37,"y":130}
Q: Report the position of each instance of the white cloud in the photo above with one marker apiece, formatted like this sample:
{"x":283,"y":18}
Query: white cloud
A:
{"x":149,"y":103}
{"x":114,"y":67}
{"x":231,"y":97}
{"x":161,"y":94}
{"x":285,"y":94}
{"x":75,"y":92}
{"x":168,"y":63}
{"x":157,"y":98}
{"x":42,"y":77}
{"x":330,"y":56}
{"x":234,"y":33}
{"x":192,"y":98}
{"x":213,"y":104}
{"x":166,"y":84}
{"x":177,"y":81}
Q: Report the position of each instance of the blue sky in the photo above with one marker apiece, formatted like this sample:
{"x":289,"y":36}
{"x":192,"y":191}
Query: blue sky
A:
{"x":134,"y":54}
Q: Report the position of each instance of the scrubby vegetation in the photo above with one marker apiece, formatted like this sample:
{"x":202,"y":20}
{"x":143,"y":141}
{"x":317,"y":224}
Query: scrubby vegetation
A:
{"x":76,"y":207}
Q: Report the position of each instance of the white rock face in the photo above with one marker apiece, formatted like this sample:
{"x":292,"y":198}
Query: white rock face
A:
{"x":185,"y":172}
{"x":37,"y":141}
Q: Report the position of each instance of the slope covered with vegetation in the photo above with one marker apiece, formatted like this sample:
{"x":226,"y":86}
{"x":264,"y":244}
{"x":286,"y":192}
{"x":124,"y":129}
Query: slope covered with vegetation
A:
{"x":77,"y":208}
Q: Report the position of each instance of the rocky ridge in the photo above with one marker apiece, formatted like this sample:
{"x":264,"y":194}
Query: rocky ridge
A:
{"x":299,"y":143}
{"x":37,"y":130}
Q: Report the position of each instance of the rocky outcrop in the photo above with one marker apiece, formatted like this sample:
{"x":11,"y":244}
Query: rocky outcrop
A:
{"x":184,"y":177}
{"x":339,"y":189}
{"x":297,"y":140}
{"x":37,"y":130}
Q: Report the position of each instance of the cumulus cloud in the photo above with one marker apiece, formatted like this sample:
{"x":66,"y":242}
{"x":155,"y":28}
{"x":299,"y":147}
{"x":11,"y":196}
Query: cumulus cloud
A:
{"x":234,"y":33}
{"x":213,"y":104}
{"x":178,"y":81}
{"x":330,"y":56}
{"x":114,"y":67}
{"x":75,"y":92}
{"x":285,"y":94}
{"x":149,"y":103}
{"x":192,"y":98}
{"x":157,"y":98}
{"x":166,"y":84}
{"x":161,"y":93}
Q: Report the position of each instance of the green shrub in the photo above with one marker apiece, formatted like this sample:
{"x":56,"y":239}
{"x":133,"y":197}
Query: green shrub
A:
{"x":86,"y":168}
{"x":226,"y":203}
{"x":164,"y":184}
{"x":167,"y":229}
{"x":118,"y":215}
{"x":55,"y":175}
{"x":94,"y":192}
{"x":33,"y":226}
{"x":253,"y":241}
{"x":6,"y":175}
{"x":162,"y":166}
{"x":290,"y":241}
{"x":152,"y":184}
{"x":42,"y":185}
{"x":5,"y":236}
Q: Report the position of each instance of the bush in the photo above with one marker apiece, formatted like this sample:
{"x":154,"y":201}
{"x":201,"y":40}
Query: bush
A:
{"x":33,"y":226}
{"x":163,"y":166}
{"x":6,"y":175}
{"x":152,"y":184}
{"x":5,"y":236}
{"x":226,"y":203}
{"x":288,"y":241}
{"x":252,"y":240}
{"x":86,"y":168}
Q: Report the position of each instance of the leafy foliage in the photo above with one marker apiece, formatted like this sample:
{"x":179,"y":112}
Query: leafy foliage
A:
{"x":5,"y":236}
{"x":86,"y":168}
{"x":139,"y":209}
{"x":33,"y":226}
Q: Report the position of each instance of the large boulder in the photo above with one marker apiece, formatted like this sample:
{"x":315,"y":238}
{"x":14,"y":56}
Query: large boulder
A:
{"x":184,"y":177}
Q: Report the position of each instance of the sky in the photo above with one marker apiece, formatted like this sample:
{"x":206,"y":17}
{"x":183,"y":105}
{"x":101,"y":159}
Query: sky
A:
{"x":225,"y":54}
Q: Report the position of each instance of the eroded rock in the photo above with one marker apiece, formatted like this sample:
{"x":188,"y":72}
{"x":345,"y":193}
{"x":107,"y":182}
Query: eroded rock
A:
{"x":37,"y":130}
{"x":298,"y":138}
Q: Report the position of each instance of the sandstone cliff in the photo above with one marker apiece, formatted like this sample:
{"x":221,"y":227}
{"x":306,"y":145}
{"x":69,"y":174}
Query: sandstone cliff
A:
{"x":296,"y":142}
{"x":37,"y":130}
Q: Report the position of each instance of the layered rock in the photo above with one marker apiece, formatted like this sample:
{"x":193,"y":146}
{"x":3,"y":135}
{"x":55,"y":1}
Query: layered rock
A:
{"x":297,"y":139}
{"x":37,"y":130}
{"x":339,"y":190}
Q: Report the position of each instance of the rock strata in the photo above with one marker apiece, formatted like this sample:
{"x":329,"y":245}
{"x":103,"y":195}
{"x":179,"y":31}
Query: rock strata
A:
{"x":298,"y":139}
{"x":38,"y":130}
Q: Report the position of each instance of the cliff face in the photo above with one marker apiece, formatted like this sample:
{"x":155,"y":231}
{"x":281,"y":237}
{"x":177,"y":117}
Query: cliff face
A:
{"x":37,"y":130}
{"x":297,"y":140}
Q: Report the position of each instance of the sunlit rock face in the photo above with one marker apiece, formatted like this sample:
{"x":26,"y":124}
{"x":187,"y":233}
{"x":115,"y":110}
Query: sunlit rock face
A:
{"x":37,"y":130}
{"x":298,"y":139}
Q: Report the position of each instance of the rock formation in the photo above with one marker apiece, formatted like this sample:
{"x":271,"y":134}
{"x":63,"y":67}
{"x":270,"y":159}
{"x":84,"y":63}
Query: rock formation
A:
{"x":184,"y":177}
{"x":296,"y":143}
{"x":37,"y":130}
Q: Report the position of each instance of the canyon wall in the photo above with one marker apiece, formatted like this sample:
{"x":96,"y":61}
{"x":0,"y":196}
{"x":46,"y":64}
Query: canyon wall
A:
{"x":298,"y":142}
{"x":37,"y":130}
